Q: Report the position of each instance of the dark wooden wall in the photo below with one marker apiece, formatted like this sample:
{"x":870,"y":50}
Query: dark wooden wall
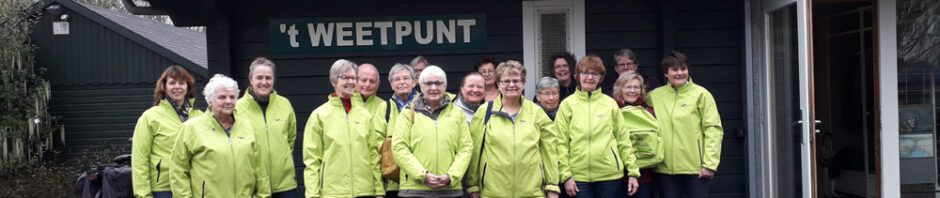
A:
{"x":709,"y":32}
{"x":101,"y":81}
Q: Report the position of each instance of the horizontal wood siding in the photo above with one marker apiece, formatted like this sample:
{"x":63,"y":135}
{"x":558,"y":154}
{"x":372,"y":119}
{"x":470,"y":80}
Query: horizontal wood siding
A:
{"x":92,"y":54}
{"x":101,"y":82}
{"x":710,"y":33}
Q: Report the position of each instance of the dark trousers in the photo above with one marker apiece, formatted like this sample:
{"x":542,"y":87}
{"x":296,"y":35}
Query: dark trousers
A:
{"x":285,"y":194}
{"x":162,"y":194}
{"x":646,"y":190}
{"x":613,"y":188}
{"x":391,"y":194}
{"x":682,"y":186}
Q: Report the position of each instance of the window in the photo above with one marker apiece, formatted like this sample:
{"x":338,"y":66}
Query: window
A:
{"x":550,"y":27}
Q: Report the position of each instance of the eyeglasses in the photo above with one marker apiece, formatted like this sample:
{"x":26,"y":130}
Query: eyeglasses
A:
{"x":487,"y":71}
{"x":434,"y":83}
{"x":590,"y":74}
{"x":554,"y":94}
{"x":626,"y":64}
{"x":509,"y":82}
{"x":345,"y":77}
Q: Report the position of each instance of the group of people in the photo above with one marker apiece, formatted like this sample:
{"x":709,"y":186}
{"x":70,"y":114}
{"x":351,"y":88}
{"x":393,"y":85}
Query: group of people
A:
{"x":488,"y":140}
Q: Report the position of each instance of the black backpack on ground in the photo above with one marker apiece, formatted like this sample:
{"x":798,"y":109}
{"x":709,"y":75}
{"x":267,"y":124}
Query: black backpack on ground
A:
{"x":111,"y":180}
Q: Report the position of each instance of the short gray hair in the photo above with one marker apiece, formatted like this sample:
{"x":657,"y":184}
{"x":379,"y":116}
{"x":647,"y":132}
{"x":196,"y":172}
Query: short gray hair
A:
{"x":398,"y":67}
{"x":419,"y":59}
{"x":546,"y":83}
{"x":624,"y":53}
{"x":260,"y":61}
{"x":433,"y":70}
{"x":216,"y":82}
{"x":341,"y":66}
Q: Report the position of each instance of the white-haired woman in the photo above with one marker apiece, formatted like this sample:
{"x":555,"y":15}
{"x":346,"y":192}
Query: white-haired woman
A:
{"x":215,"y":156}
{"x":341,"y":142}
{"x":432,"y":142}
{"x":548,"y":96}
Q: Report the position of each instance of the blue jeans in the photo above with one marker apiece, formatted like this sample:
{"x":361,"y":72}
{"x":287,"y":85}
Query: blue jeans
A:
{"x":292,"y":193}
{"x":681,"y":186}
{"x":163,"y":194}
{"x":644,"y":191}
{"x":612,"y":188}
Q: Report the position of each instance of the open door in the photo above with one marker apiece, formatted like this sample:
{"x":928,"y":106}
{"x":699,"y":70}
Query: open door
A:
{"x":786,"y":35}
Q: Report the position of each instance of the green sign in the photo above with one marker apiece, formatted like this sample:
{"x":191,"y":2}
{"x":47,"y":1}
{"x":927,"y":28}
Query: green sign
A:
{"x":377,"y":33}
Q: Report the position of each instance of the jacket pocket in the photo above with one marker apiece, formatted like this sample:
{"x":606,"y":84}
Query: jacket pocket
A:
{"x":483,"y":177}
{"x":322,"y":172}
{"x":158,"y":169}
{"x":700,"y":158}
{"x":616,"y":159}
{"x":203,"y":189}
{"x":542,"y":173}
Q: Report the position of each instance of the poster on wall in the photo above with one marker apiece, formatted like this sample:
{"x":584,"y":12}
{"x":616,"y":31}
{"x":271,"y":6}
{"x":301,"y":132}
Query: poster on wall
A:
{"x":916,"y":146}
{"x":916,"y":118}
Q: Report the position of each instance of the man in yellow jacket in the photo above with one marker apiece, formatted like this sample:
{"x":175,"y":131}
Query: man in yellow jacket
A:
{"x":156,"y":132}
{"x":215,"y":156}
{"x":341,"y":142}
{"x":275,"y":124}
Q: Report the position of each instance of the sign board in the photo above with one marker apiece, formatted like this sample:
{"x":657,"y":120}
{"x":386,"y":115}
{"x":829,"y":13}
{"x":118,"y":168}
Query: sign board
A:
{"x":60,"y":28}
{"x":377,"y":33}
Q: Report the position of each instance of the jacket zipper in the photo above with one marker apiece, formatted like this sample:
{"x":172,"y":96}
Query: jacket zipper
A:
{"x":590,"y":139}
{"x":352,"y":186}
{"x":672,"y":123}
{"x":267,"y":139}
{"x":231,"y":147}
{"x":158,"y":169}
{"x":513,"y":187}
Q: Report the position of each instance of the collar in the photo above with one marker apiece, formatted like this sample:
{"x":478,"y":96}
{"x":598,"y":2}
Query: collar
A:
{"x":401,"y":102}
{"x":462,"y":103}
{"x":588,"y":95}
{"x":421,"y":105}
{"x":354,"y":100}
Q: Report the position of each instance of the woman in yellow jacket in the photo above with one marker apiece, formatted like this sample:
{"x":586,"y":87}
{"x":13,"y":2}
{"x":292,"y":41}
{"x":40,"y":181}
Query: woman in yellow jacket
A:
{"x":216,"y":154}
{"x":691,"y":130}
{"x":275,"y":124}
{"x":431,"y":141}
{"x":594,"y":146}
{"x":341,"y":142}
{"x":511,"y":137}
{"x":157,"y":129}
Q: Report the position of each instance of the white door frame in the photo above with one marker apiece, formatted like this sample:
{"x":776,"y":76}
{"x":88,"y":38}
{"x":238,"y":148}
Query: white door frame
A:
{"x":530,"y":34}
{"x":764,"y":176}
{"x":888,"y":97}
